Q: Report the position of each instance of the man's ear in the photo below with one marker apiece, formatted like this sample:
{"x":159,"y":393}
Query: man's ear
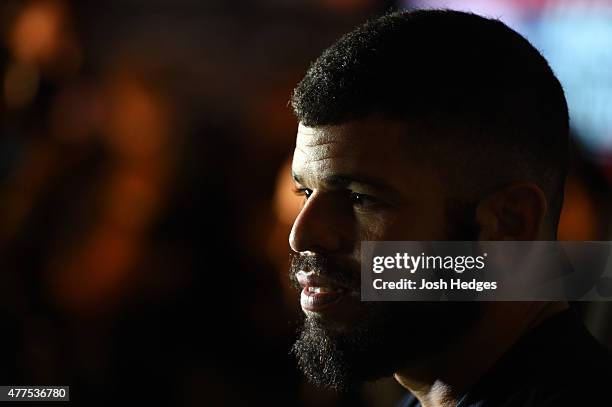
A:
{"x":515,"y":212}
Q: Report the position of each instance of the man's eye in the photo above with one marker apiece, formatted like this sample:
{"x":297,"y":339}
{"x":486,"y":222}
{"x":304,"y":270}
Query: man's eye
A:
{"x":363,"y":201}
{"x":303,"y":192}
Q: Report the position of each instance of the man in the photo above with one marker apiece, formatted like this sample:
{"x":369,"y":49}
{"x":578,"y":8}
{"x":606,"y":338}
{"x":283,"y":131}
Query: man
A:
{"x":434,"y":125}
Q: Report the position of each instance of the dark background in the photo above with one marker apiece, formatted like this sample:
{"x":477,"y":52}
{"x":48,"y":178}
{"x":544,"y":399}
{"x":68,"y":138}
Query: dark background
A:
{"x":145,"y":201}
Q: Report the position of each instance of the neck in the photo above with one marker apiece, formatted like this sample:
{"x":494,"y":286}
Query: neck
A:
{"x":443,"y":379}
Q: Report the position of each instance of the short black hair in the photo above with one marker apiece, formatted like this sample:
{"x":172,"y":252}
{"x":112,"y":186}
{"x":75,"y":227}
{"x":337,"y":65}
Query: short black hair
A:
{"x":474,"y":84}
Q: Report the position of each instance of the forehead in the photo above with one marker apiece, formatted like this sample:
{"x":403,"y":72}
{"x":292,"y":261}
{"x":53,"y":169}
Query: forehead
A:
{"x":375,"y":146}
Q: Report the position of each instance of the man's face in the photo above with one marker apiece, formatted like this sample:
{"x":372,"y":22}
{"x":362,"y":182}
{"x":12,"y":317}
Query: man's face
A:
{"x":362,"y":181}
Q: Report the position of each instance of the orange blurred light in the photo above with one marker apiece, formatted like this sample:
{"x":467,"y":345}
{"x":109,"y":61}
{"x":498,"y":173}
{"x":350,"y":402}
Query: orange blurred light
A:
{"x":36,"y":32}
{"x":20,"y":84}
{"x":579,"y":218}
{"x":137,"y":125}
{"x":287,"y":204}
{"x":42,"y":35}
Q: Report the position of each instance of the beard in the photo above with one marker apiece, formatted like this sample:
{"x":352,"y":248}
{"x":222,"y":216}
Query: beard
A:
{"x":388,"y":336}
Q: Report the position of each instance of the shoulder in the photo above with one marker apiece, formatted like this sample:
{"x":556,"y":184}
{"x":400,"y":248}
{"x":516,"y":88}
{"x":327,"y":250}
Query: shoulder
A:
{"x":558,"y":364}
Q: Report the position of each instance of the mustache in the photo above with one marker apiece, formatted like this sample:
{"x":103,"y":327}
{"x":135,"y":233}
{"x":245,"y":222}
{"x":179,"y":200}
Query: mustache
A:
{"x":345,"y":272}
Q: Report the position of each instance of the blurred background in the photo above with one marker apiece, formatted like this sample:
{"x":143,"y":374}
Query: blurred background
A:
{"x":145,"y":198}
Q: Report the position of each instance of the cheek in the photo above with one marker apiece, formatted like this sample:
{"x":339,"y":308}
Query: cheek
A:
{"x":425,"y":223}
{"x":377,"y":227}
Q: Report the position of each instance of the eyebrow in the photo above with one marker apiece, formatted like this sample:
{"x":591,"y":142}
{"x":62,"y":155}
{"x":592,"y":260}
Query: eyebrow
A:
{"x":342,"y":181}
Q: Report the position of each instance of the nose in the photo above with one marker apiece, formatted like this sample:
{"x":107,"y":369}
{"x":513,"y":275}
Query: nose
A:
{"x":317,"y":227}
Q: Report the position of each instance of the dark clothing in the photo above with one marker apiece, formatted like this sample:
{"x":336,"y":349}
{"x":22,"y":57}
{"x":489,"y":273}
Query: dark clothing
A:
{"x":559,"y":363}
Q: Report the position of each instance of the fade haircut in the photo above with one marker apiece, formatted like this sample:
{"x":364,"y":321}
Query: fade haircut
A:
{"x":473,"y":91}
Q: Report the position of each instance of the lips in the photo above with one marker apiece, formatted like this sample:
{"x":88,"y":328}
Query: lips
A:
{"x":319,"y":293}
